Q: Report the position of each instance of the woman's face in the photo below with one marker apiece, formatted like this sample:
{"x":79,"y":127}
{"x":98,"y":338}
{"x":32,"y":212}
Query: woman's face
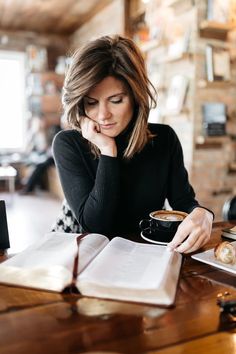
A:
{"x":110,"y":105}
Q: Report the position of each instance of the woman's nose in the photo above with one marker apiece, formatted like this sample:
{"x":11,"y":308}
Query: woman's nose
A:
{"x":103,"y":112}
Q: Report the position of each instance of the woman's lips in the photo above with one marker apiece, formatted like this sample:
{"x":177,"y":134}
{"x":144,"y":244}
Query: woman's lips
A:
{"x":107,"y":126}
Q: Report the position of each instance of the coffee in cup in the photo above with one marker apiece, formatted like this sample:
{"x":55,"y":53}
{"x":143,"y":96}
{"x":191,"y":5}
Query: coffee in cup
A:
{"x":162,"y":225}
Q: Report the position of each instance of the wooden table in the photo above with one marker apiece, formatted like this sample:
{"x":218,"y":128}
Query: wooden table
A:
{"x":42,"y":322}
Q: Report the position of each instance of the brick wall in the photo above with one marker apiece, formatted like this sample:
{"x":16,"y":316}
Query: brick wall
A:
{"x":210,"y":177}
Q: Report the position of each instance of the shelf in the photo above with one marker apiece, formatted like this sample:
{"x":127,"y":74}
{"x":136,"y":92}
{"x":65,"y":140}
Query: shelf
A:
{"x":214,"y":142}
{"x":208,"y":145}
{"x":217,"y":30}
{"x":222,"y":191}
{"x":204,"y":84}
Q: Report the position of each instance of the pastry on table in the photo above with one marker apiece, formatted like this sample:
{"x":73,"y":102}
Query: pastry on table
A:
{"x":225,"y":252}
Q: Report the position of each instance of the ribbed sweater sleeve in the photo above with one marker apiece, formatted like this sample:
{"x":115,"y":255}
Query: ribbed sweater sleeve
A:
{"x":91,"y":186}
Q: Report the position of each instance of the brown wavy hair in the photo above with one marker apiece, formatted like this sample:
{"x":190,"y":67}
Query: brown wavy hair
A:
{"x":110,"y":56}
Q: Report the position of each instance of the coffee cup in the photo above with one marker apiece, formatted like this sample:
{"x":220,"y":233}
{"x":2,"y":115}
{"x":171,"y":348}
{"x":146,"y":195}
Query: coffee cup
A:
{"x":162,"y":224}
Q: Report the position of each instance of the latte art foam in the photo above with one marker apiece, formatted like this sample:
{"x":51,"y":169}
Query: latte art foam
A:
{"x":169,"y":216}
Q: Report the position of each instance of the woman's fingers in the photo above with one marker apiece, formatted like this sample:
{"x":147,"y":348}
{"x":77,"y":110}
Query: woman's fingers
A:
{"x":182,"y":233}
{"x":92,"y":132}
{"x":192,"y":243}
{"x":89,"y":128}
{"x":193,"y":232}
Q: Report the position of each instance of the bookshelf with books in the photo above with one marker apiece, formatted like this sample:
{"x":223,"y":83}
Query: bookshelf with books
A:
{"x":44,"y":95}
{"x":44,"y":81}
{"x":213,"y":29}
{"x":170,"y":63}
{"x":214,"y":104}
{"x":193,"y":67}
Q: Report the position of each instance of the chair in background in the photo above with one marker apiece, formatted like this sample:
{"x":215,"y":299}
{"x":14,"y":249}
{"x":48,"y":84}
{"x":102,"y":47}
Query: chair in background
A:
{"x":229,"y":209}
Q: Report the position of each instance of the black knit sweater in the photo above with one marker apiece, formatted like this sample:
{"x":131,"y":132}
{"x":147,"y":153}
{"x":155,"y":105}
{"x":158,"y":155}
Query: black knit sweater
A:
{"x":111,"y":195}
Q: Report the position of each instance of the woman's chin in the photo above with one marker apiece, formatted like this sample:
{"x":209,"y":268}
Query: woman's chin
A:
{"x":111,"y":133}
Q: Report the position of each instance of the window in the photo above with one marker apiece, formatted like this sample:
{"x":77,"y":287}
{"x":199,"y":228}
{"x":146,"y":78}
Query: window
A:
{"x":12,"y":101}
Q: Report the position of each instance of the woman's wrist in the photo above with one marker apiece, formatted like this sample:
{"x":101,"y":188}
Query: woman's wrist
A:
{"x":209,"y":212}
{"x":109,"y":151}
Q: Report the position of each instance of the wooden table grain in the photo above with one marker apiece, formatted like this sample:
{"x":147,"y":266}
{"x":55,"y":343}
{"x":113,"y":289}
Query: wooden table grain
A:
{"x":34,"y":321}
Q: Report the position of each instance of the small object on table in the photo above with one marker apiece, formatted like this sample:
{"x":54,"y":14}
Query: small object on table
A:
{"x":227,"y":303}
{"x":225,"y":252}
{"x":229,"y":232}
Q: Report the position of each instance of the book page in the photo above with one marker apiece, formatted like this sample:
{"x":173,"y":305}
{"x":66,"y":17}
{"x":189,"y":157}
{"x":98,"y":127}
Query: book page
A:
{"x":48,"y":264}
{"x":89,"y":247}
{"x":55,"y":248}
{"x":124,"y":263}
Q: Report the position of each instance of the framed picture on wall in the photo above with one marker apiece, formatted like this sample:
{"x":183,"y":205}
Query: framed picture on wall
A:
{"x":218,"y":10}
{"x":214,"y":118}
{"x":176,"y":94}
{"x":156,"y":115}
{"x":217,"y":64}
{"x":36,"y":58}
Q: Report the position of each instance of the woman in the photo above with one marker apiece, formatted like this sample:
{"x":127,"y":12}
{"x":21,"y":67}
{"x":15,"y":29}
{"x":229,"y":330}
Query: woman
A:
{"x":114,"y":167}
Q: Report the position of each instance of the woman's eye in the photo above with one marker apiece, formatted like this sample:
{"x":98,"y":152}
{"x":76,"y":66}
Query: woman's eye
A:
{"x":91,"y":103}
{"x":117,"y":100}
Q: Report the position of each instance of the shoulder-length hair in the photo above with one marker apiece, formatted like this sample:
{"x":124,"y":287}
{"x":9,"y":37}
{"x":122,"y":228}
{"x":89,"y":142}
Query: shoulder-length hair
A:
{"x":110,"y":56}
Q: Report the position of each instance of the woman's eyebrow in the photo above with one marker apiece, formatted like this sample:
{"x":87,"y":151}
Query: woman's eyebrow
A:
{"x":117,"y":94}
{"x":91,"y":98}
{"x":114,"y":95}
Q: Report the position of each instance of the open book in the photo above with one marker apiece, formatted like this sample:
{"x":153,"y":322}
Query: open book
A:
{"x":118,"y":269}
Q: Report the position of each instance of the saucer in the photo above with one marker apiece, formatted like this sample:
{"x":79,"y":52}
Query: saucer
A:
{"x":157,"y":238}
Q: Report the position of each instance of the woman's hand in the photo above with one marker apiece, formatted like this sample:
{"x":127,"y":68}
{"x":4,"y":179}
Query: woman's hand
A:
{"x":193,"y":232}
{"x":91,"y":131}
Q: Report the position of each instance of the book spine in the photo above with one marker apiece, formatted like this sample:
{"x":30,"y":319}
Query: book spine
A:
{"x":73,"y":287}
{"x":210,"y":10}
{"x":209,"y":63}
